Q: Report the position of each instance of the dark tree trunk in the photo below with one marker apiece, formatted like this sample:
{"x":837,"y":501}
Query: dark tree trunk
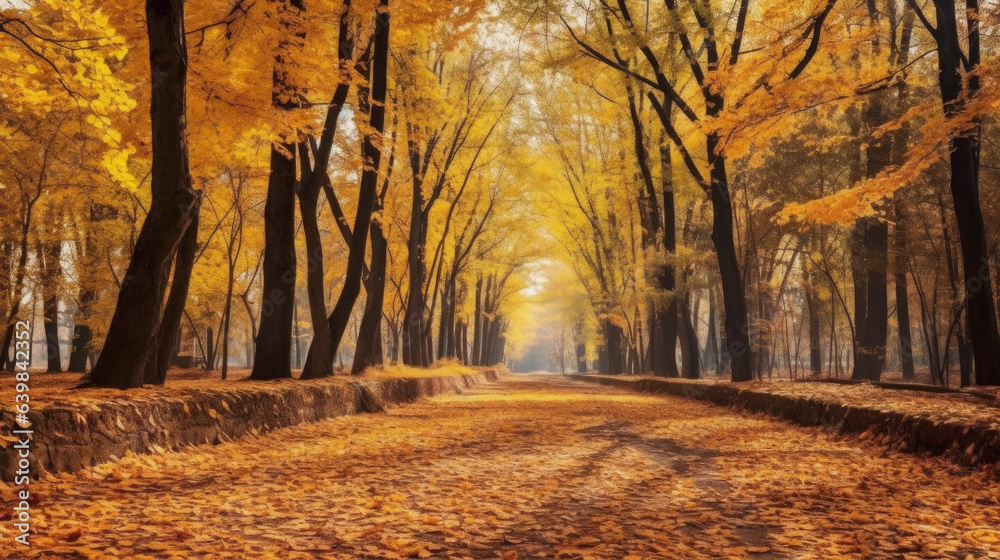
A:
{"x":367,"y":192}
{"x":52,"y":271}
{"x":210,"y":350}
{"x":6,"y":299}
{"x":394,"y":355}
{"x":614,"y":349}
{"x":733,"y":295}
{"x":81,"y":330}
{"x":712,"y":359}
{"x":227,"y":313}
{"x":465,"y":343}
{"x":414,"y":341}
{"x":964,"y":358}
{"x":451,"y":344}
{"x":162,"y":347}
{"x":369,"y":350}
{"x":903,"y":300}
{"x":964,"y":159}
{"x":812,"y":306}
{"x":496,"y":356}
{"x":477,"y":324}
{"x":273,"y":356}
{"x":320,"y":351}
{"x":8,"y":337}
{"x":274,"y":336}
{"x":487,"y":348}
{"x":870,"y":256}
{"x":138,"y":312}
{"x":690,"y":367}
{"x":81,"y":348}
{"x":870,"y":244}
{"x":900,"y":144}
{"x":664,"y":351}
{"x":446,"y":326}
{"x":312,"y":181}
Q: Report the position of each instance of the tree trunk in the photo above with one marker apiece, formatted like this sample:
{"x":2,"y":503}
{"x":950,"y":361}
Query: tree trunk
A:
{"x":664,"y":352}
{"x":614,"y":349}
{"x":368,"y":352}
{"x":711,"y":359}
{"x":162,"y":346}
{"x":320,"y":352}
{"x":465,"y":343}
{"x":367,"y":192}
{"x":902,"y":300}
{"x":314,"y":179}
{"x":274,"y":335}
{"x":733,"y":293}
{"x":870,"y":256}
{"x":81,"y":348}
{"x":477,"y":324}
{"x":273,"y":356}
{"x":870,"y":243}
{"x":690,"y":368}
{"x":446,"y":326}
{"x":487,"y":347}
{"x":394,"y":355}
{"x":138,"y":311}
{"x":227,"y":313}
{"x":209,"y":350}
{"x":414,"y":342}
{"x":50,"y":282}
{"x":812,"y":306}
{"x":964,"y":159}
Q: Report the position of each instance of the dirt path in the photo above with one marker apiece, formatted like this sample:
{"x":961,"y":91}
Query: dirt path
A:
{"x":531,"y":467}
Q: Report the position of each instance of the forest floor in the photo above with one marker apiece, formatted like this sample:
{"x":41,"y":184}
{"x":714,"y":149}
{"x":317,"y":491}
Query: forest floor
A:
{"x":528,"y":467}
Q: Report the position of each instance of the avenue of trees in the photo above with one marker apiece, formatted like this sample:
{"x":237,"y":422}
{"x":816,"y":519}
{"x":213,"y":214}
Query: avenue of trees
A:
{"x":741,"y":189}
{"x":757,"y":189}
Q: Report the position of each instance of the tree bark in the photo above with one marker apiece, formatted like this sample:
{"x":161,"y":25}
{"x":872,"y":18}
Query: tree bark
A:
{"x":870,"y":256}
{"x":367,"y":193}
{"x":902,"y":298}
{"x":964,"y":160}
{"x":52,"y":270}
{"x":162,"y":347}
{"x":227,"y":314}
{"x":477,"y":324}
{"x":812,"y":305}
{"x":138,"y":311}
{"x":273,"y":350}
{"x":320,"y":352}
{"x":368,"y":352}
{"x":313,"y":180}
{"x":614,"y":349}
{"x":665,"y":356}
{"x":690,"y":367}
{"x":733,"y":294}
{"x":414,"y":344}
{"x":81,"y":348}
{"x":869,"y":248}
{"x":274,"y":336}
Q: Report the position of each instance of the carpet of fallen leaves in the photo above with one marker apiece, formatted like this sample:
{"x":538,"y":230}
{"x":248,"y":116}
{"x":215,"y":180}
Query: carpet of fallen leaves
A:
{"x":530,"y":467}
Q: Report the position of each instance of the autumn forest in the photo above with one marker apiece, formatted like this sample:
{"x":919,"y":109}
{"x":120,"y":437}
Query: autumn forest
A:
{"x":681,"y":189}
{"x":800,"y":198}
